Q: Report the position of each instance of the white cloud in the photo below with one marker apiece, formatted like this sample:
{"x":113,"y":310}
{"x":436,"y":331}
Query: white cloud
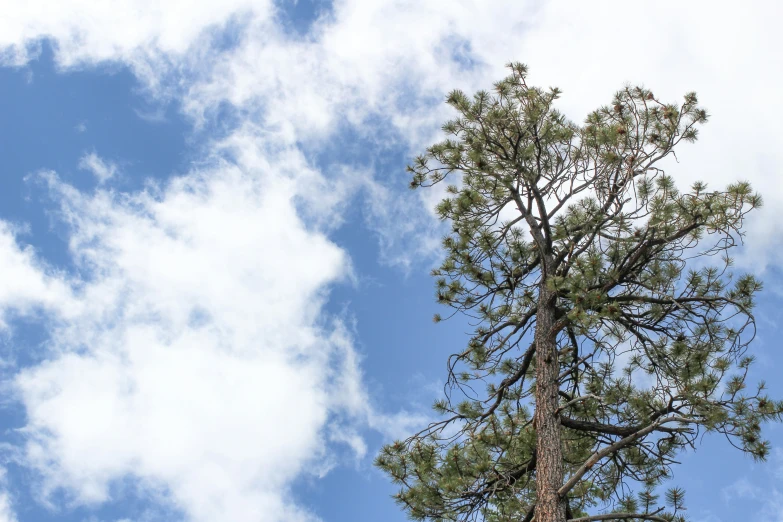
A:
{"x":147,"y":35}
{"x":383,"y":68}
{"x":102,"y":170}
{"x":28,"y":286}
{"x":199,"y":360}
{"x":394,"y":60}
{"x":408,"y":236}
{"x":768,"y":502}
{"x":7,"y":513}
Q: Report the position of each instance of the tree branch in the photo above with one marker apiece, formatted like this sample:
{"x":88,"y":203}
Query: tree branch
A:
{"x":620,"y":516}
{"x":598,"y":455}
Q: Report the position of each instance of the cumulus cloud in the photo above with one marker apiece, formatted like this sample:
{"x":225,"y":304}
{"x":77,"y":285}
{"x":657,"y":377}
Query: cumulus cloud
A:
{"x":149,"y":36}
{"x":196,"y":356}
{"x":375,"y":66}
{"x":382,"y":69}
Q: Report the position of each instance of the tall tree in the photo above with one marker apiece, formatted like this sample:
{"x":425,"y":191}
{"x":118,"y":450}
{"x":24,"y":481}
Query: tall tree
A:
{"x":610,"y":330}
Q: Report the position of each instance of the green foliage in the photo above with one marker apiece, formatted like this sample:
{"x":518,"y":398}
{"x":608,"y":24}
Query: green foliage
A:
{"x":652,"y":325}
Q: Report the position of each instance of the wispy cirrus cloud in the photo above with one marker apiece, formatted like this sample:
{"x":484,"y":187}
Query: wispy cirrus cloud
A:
{"x":7,"y":511}
{"x":28,"y":285}
{"x":101,"y":169}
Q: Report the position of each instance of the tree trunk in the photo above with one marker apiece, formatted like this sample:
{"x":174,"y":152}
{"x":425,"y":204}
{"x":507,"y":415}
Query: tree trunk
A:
{"x":549,"y":463}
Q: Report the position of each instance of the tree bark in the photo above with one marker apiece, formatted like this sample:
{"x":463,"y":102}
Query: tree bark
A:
{"x":549,"y":470}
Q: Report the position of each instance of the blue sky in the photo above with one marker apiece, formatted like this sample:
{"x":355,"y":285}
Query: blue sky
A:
{"x":214,"y":290}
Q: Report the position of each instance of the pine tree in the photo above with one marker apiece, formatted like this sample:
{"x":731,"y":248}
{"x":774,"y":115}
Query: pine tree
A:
{"x":610,"y":329}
